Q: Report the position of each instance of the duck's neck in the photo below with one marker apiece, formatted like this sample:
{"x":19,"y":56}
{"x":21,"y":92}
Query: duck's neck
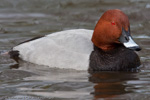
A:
{"x":110,"y":48}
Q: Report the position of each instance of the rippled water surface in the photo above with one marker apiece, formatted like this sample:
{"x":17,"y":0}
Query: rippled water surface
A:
{"x":21,"y":20}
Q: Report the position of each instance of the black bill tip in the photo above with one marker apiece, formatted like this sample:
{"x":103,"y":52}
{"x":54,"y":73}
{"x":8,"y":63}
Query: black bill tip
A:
{"x":136,"y":48}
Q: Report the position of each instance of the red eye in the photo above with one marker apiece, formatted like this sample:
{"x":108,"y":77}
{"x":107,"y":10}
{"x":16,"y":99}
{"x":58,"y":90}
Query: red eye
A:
{"x":113,"y":23}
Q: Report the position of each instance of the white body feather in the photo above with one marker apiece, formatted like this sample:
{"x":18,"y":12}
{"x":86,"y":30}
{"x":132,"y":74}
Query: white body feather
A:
{"x":65,"y":49}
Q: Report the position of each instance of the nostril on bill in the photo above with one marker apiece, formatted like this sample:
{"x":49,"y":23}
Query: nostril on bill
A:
{"x":126,"y":38}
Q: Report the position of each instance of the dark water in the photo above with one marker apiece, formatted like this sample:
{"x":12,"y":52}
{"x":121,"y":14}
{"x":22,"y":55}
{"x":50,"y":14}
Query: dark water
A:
{"x":21,"y":20}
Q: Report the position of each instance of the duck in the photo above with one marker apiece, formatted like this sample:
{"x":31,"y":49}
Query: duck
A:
{"x":109,"y":47}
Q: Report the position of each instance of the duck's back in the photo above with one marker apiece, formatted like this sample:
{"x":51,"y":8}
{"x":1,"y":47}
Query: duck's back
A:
{"x":65,"y":49}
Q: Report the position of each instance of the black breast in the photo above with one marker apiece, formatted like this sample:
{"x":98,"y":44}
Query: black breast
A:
{"x":118,"y":59}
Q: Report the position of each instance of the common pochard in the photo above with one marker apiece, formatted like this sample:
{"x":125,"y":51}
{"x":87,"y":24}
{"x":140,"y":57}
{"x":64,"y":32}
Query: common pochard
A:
{"x":109,"y":47}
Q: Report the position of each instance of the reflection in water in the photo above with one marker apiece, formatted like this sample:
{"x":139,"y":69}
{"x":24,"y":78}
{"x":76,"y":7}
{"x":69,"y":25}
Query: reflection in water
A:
{"x":110,"y":84}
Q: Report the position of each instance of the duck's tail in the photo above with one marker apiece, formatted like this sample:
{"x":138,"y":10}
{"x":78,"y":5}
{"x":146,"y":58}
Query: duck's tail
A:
{"x":13,"y":55}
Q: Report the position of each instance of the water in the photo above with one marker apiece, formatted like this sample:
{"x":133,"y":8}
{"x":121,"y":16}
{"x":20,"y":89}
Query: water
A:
{"x":22,"y":20}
